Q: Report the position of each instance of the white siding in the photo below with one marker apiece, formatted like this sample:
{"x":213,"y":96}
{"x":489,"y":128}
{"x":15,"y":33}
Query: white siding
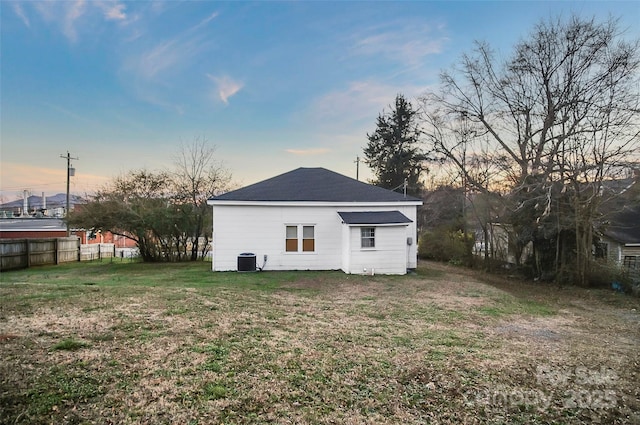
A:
{"x":346,"y":248}
{"x":389,"y":255}
{"x":614,"y":250}
{"x":410,"y":211}
{"x":261,"y":230}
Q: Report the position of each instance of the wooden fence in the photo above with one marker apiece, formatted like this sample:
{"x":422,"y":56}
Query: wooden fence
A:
{"x":21,"y":253}
{"x":97,"y":251}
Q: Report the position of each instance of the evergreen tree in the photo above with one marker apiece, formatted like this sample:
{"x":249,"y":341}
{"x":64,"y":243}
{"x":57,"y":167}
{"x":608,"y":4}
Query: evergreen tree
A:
{"x":393,"y":151}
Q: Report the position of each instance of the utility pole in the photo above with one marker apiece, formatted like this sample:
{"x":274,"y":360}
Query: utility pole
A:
{"x":70,"y":172}
{"x":465,"y":133}
{"x":357,"y":161}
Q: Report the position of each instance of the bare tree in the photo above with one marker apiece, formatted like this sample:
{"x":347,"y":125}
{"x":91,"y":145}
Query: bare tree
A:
{"x":166,"y":212}
{"x":559,"y":114}
{"x":197,"y":176}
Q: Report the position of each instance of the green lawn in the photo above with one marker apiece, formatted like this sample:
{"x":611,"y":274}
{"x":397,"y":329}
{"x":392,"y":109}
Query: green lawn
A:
{"x":176,"y":343}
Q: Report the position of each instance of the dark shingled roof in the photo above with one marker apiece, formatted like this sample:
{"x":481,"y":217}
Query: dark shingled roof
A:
{"x":625,"y":225}
{"x":374,"y":217}
{"x":313,"y":185}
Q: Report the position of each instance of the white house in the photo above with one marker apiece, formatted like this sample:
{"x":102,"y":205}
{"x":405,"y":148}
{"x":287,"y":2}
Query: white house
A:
{"x":621,"y":239}
{"x":315,"y":219}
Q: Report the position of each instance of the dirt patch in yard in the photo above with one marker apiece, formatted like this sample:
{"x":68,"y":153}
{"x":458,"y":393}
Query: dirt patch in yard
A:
{"x":442,"y":346}
{"x":7,"y":337}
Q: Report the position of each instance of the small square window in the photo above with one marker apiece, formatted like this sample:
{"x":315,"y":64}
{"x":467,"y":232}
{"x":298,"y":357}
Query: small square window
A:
{"x":368,"y":237}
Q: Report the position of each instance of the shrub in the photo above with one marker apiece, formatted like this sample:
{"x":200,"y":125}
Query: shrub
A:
{"x":446,"y":244}
{"x":609,"y":275}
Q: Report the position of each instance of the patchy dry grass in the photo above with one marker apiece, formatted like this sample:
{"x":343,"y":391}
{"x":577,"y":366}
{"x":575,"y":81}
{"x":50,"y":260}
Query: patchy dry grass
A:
{"x":137,"y":343}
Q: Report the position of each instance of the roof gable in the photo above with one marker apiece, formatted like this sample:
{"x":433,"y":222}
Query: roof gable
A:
{"x":313,"y":185}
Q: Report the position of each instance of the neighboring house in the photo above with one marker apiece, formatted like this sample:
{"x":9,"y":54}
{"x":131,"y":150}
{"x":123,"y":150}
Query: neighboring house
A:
{"x":18,"y":228}
{"x":621,"y":231}
{"x":316,"y":219}
{"x":500,"y":244}
{"x":621,"y":239}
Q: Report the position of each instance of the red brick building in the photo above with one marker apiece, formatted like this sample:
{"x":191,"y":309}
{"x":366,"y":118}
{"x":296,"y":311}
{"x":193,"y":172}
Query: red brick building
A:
{"x":19,"y":228}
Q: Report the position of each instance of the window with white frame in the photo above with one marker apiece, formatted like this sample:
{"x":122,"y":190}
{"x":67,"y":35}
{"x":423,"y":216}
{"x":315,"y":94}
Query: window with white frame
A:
{"x":300,"y":238}
{"x":292,"y":239}
{"x":308,"y":239}
{"x":367,"y":237}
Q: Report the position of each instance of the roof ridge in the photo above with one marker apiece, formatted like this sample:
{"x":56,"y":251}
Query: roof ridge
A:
{"x":313,"y":184}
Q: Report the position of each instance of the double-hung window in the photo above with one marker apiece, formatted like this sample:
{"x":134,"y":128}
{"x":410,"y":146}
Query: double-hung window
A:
{"x":300,"y":238}
{"x":292,"y":239}
{"x":367,"y":237}
{"x":308,"y":239}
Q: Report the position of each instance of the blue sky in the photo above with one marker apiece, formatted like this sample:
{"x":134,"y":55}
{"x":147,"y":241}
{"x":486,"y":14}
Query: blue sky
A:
{"x":274,"y":85}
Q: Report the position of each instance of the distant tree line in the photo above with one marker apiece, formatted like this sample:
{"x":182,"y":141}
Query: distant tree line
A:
{"x":164,"y":212}
{"x":531,"y":142}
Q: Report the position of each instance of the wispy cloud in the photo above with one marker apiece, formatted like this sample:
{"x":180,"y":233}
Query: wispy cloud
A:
{"x":340,"y":120}
{"x":408,"y":43}
{"x":17,"y":8}
{"x":164,"y":56}
{"x":47,"y":9}
{"x":225,"y":87}
{"x":72,"y":17}
{"x":113,"y":11}
{"x":308,"y":152}
{"x":152,"y":63}
{"x":150,"y":73}
{"x":179,"y":49}
{"x":155,"y":67}
{"x":359,"y":101}
{"x":161,"y":57}
{"x":74,"y":11}
{"x":205,"y":21}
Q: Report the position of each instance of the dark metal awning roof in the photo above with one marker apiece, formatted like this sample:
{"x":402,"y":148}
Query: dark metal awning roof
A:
{"x":374,"y":217}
